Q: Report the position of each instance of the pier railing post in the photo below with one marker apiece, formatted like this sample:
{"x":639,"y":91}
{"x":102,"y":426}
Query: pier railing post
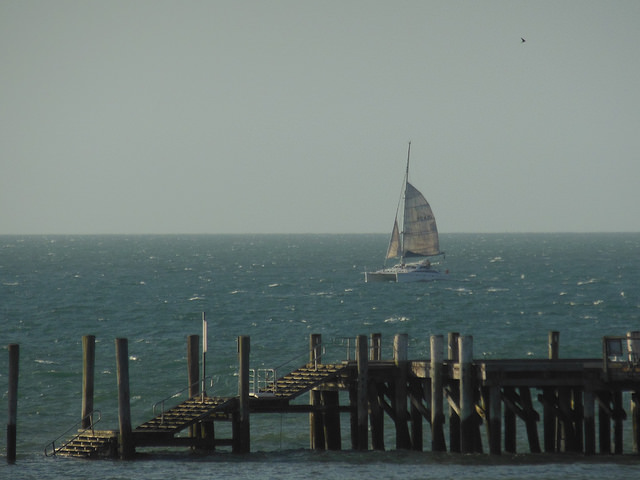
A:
{"x":14,"y":359}
{"x":362,"y":398}
{"x":88,"y":375}
{"x":127,"y":446}
{"x":467,"y":427}
{"x":242,"y":430}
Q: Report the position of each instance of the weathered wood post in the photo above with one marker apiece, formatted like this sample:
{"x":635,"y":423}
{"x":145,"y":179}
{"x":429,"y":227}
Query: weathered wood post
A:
{"x":316,"y":423}
{"x":376,"y":347}
{"x":12,"y":417}
{"x":495,"y":423}
{"x":589,"y":422}
{"x":550,"y":420}
{"x":509,"y":421}
{"x":635,"y":422}
{"x":376,"y":411}
{"x":242,"y":427}
{"x":127,"y":446}
{"x":193,"y":367}
{"x":88,"y":375}
{"x":454,"y":394}
{"x":467,"y":427}
{"x":437,"y":394}
{"x":400,"y":357}
{"x":362,"y":348}
{"x":618,"y":417}
{"x":604,"y":421}
{"x":633,"y":346}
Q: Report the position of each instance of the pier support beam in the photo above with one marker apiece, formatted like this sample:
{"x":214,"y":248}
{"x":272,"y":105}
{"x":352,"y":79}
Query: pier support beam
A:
{"x":12,"y":428}
{"x":88,"y":375}
{"x":127,"y":446}
{"x":437,"y":394}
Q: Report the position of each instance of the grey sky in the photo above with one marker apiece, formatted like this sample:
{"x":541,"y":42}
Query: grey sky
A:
{"x":294,"y":116}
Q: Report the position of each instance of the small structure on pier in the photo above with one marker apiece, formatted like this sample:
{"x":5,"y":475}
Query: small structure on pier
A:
{"x":490,"y":394}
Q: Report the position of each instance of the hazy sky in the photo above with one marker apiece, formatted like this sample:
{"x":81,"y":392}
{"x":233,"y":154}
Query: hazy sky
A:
{"x":294,"y":116}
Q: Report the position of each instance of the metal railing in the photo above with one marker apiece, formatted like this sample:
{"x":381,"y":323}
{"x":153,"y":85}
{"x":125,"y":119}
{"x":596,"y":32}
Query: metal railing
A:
{"x":50,"y":449}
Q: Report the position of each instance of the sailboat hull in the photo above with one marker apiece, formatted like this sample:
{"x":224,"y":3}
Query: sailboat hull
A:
{"x":414,"y":272}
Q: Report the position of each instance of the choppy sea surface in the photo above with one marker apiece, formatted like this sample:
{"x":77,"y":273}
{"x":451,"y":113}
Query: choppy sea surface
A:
{"x":507,"y":290}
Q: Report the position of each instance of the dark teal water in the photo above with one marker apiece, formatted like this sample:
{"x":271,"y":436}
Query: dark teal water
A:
{"x":507,"y":290}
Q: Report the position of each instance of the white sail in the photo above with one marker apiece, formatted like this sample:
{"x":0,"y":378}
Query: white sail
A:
{"x":394,"y":244}
{"x":420,"y":233}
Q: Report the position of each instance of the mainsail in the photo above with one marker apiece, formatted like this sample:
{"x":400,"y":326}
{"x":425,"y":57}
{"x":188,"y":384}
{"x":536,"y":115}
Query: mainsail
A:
{"x":420,"y":233}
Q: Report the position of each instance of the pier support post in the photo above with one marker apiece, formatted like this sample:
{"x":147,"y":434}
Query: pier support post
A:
{"x":127,"y":446}
{"x":376,"y":347}
{"x":316,"y":423}
{"x":88,"y":375}
{"x":635,"y":422}
{"x":495,"y":423}
{"x":467,"y":424}
{"x":437,"y":402}
{"x":550,"y":420}
{"x":12,"y":417}
{"x":193,"y":367}
{"x":362,"y":440}
{"x":242,"y":430}
{"x":454,"y":394}
{"x":400,"y":357}
{"x":589,"y":423}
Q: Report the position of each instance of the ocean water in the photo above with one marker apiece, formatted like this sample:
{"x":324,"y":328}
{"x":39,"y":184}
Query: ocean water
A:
{"x":507,"y":290}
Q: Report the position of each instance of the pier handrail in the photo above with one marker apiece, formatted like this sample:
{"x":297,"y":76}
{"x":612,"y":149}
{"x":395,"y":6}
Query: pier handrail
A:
{"x":178,"y":394}
{"x":52,"y":444}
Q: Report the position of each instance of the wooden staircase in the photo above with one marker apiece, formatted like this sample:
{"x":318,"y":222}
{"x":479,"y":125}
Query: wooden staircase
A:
{"x":302,"y":380}
{"x":184,"y":415}
{"x":90,"y":444}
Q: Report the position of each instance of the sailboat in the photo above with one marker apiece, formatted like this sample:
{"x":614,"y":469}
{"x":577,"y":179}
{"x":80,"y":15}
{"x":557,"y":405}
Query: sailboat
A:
{"x":417,"y":238}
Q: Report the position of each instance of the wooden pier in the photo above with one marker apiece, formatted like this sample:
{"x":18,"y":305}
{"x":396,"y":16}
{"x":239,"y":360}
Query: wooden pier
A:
{"x":457,"y":402}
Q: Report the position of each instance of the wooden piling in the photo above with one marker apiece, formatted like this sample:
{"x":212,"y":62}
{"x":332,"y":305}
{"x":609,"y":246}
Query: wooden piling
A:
{"x":88,"y":375}
{"x":495,"y":423}
{"x":589,"y":423}
{"x":242,"y":430}
{"x":550,"y":421}
{"x":376,"y":347}
{"x":127,"y":446}
{"x":454,"y":394}
{"x":437,"y":394}
{"x":12,"y":417}
{"x":400,"y":357}
{"x":362,"y":442}
{"x":467,"y":424}
{"x":316,"y":424}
